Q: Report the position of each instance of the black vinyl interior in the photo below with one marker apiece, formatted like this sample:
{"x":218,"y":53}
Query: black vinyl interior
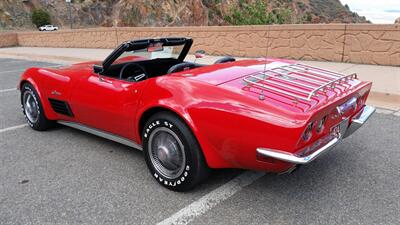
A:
{"x":153,"y":68}
{"x":225,"y":60}
{"x":182,"y":66}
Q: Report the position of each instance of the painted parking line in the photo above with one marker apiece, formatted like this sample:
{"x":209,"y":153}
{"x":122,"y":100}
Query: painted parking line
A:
{"x":22,"y":70}
{"x":208,"y":201}
{"x":387,"y":111}
{"x":8,"y":90}
{"x":13,"y":128}
{"x":10,"y":61}
{"x":12,"y":71}
{"x":384,"y":111}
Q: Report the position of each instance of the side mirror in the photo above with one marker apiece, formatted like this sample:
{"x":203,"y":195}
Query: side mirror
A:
{"x":98,"y":69}
{"x":200,"y":54}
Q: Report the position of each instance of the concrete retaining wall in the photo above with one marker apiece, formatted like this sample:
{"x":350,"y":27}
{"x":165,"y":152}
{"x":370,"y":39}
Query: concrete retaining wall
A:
{"x":8,"y":39}
{"x":368,"y":44}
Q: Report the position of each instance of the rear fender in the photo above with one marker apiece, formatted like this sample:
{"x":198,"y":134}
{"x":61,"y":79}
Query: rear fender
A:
{"x":213,"y":159}
{"x":158,"y":94}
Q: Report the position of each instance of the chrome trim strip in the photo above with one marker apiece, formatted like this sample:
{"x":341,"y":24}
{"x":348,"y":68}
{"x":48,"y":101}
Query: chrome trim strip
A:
{"x":102,"y":134}
{"x":295,"y":159}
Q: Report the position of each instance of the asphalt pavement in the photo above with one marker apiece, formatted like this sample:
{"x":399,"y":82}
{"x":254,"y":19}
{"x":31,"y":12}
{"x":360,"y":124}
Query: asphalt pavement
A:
{"x":65,"y":176}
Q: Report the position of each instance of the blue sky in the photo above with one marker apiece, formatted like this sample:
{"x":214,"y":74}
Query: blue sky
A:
{"x":377,"y":11}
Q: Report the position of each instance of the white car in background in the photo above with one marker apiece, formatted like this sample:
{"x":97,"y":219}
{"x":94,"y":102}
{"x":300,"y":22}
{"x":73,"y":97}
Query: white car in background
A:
{"x":48,"y":28}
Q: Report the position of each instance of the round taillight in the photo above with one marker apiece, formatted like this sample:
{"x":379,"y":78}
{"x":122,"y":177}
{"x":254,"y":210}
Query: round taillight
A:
{"x":308,"y":132}
{"x":321,"y":125}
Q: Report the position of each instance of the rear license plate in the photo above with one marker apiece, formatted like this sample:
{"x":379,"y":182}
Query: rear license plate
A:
{"x":335,"y":131}
{"x":340,"y":129}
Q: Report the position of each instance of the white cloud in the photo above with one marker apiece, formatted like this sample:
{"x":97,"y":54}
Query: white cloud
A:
{"x":377,"y":11}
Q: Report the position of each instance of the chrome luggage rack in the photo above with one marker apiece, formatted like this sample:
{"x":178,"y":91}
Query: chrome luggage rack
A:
{"x":299,"y":81}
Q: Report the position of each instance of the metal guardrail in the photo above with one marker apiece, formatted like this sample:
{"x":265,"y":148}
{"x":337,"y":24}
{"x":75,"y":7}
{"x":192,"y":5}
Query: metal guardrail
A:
{"x":299,"y":81}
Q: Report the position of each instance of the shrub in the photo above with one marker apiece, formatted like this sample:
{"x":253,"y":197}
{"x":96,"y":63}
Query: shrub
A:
{"x":301,"y":5}
{"x":133,"y":17}
{"x":282,"y":16}
{"x":40,"y":17}
{"x":308,"y":17}
{"x":256,"y":14}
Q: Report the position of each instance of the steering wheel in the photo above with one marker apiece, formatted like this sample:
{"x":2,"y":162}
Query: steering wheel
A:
{"x":181,"y":67}
{"x":133,"y":72}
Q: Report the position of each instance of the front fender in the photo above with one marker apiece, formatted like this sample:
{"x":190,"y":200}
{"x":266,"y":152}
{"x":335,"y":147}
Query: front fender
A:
{"x":34,"y":77}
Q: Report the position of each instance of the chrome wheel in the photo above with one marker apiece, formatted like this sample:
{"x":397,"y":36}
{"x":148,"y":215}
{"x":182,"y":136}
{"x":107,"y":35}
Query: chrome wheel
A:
{"x":166,"y":153}
{"x":31,"y":107}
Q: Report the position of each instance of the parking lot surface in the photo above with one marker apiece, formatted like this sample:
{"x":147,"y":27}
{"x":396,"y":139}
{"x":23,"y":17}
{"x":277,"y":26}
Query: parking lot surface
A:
{"x":65,"y":176}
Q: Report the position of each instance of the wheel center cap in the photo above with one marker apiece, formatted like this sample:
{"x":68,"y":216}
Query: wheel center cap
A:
{"x":166,"y":157}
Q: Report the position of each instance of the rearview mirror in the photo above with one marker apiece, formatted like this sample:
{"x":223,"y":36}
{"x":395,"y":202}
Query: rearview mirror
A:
{"x":98,"y":69}
{"x":200,"y":54}
{"x":156,"y":47}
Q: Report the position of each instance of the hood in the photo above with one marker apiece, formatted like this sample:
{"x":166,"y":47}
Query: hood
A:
{"x":70,"y":70}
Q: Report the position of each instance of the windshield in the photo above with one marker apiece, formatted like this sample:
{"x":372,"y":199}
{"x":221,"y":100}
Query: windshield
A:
{"x":156,"y":51}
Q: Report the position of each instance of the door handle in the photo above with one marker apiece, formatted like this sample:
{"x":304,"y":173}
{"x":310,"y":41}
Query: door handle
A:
{"x":101,"y":79}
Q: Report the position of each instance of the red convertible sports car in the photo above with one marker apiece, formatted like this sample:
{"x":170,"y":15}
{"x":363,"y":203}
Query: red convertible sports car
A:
{"x":260,"y":114}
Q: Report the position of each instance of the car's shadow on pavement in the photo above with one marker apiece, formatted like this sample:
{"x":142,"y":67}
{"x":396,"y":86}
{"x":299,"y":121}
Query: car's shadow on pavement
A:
{"x":315,"y":174}
{"x":350,"y":165}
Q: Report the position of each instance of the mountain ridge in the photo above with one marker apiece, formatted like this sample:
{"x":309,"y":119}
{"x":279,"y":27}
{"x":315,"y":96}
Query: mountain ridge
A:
{"x":16,"y":14}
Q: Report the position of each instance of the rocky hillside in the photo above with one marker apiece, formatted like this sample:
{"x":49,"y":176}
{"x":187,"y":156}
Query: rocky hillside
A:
{"x":15,"y":14}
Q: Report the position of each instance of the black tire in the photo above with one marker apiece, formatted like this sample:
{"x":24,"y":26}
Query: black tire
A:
{"x":40,"y":123}
{"x":195,"y":169}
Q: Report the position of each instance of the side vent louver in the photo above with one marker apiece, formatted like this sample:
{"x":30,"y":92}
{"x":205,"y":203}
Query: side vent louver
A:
{"x":61,"y":107}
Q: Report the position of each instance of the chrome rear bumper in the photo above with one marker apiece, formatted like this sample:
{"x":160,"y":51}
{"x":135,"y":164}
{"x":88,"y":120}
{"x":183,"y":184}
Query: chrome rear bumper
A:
{"x":356,"y":122}
{"x":359,"y":119}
